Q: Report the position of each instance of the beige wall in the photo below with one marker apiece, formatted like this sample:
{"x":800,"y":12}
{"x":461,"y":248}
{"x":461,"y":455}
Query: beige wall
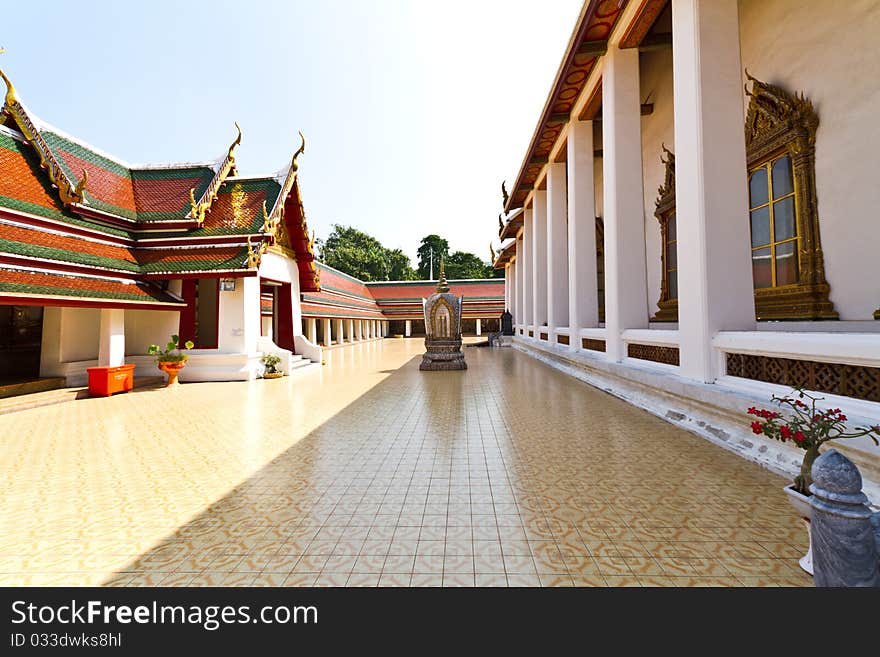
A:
{"x":146,"y":327}
{"x":655,"y":72}
{"x":830,"y":51}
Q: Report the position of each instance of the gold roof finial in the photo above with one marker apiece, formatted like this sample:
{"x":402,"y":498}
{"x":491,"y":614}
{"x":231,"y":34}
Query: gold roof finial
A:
{"x":234,"y":144}
{"x":442,"y":285}
{"x":302,"y":149}
{"x":11,"y":96}
{"x":504,"y":194}
{"x":492,"y":252}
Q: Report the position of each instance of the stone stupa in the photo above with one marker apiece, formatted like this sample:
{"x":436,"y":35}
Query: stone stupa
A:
{"x":443,"y":329}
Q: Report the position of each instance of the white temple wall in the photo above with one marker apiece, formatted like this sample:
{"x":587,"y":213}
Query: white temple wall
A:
{"x":828,"y":50}
{"x":283,"y":269}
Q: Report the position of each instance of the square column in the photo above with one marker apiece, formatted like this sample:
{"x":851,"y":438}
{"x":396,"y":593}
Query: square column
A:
{"x":338,"y":326}
{"x":111,"y":341}
{"x":408,"y":328}
{"x":539,"y":259}
{"x":528,"y":315}
{"x":519,"y":316}
{"x":312,"y":330}
{"x":350,"y":330}
{"x":507,"y":285}
{"x":479,"y":327}
{"x":557,"y":249}
{"x":626,"y":294}
{"x":711,"y":196}
{"x":583,"y":289}
{"x":514,"y":290}
{"x":328,"y":336}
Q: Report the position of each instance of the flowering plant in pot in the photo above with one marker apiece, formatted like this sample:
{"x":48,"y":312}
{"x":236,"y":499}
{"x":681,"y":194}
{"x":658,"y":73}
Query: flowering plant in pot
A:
{"x":171,"y":359}
{"x":808,"y":427}
{"x":270,"y":371}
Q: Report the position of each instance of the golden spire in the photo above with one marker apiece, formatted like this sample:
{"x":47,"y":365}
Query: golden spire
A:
{"x":492,"y":251}
{"x":442,"y":285}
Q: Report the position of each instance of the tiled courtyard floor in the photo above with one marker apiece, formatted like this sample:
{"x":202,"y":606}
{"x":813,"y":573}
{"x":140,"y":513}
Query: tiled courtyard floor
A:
{"x":371,"y":472}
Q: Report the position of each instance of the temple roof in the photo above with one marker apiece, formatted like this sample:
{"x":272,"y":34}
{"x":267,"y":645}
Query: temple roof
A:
{"x":66,"y":205}
{"x":38,"y":288}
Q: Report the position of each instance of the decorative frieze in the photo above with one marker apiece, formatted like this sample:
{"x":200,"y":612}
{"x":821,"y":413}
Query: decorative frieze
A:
{"x":834,"y":378}
{"x":593,"y":345}
{"x":655,"y":353}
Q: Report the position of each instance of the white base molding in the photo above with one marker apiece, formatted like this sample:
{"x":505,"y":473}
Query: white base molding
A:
{"x":715,"y":412}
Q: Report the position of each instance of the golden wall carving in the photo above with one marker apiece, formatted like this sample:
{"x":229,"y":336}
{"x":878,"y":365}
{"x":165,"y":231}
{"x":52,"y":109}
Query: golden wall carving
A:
{"x":664,"y":209}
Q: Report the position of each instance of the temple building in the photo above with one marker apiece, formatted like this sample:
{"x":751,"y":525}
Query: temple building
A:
{"x":692,"y":227}
{"x":100,"y":258}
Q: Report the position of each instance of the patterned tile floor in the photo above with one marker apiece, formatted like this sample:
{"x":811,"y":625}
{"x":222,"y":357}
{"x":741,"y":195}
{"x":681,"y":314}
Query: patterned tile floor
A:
{"x":369,"y":472}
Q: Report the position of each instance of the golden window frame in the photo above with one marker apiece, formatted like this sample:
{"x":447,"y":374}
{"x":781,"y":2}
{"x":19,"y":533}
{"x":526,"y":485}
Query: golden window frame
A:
{"x":780,"y":123}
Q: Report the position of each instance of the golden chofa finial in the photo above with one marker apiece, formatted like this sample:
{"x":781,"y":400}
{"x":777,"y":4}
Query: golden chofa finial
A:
{"x":492,"y":252}
{"x":302,"y":149}
{"x":11,"y":97}
{"x":235,"y":143}
{"x":504,"y":195}
{"x":81,"y":185}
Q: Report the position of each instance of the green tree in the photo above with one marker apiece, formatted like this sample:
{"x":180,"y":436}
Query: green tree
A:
{"x":399,"y":267}
{"x":432,"y":247}
{"x":356,"y":254}
{"x":363,"y":256}
{"x":466,"y":265}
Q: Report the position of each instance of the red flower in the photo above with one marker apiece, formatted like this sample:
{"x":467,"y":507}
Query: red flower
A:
{"x":785,"y":431}
{"x":800,"y":403}
{"x":757,"y":428}
{"x":841,"y":417}
{"x":753,"y":411}
{"x":799,"y":437}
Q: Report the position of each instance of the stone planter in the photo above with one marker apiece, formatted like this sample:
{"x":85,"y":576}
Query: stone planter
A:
{"x":801,"y":504}
{"x":272,"y":375}
{"x":172,"y":370}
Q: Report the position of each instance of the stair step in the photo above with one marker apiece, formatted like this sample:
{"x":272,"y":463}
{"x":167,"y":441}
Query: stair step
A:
{"x":301,"y":362}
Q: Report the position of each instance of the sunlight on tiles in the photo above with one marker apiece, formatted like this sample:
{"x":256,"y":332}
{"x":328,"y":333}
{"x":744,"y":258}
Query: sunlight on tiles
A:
{"x":369,"y":472}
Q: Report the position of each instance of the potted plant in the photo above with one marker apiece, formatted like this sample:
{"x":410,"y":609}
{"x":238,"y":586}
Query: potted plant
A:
{"x":808,"y":427}
{"x":270,"y":371}
{"x":171,"y":359}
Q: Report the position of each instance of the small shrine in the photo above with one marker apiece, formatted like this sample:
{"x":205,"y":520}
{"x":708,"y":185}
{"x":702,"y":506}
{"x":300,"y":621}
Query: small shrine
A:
{"x":443,"y":329}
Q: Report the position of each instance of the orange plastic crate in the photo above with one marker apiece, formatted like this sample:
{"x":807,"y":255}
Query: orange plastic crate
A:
{"x":104,"y":381}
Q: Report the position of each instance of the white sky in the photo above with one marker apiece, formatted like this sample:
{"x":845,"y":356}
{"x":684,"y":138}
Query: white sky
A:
{"x":414,"y":111}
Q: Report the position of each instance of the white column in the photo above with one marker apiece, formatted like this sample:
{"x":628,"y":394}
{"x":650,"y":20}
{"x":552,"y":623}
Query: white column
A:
{"x":312,"y":328}
{"x":528,"y":268}
{"x":583,"y":291}
{"x":711,"y":188}
{"x":513,"y":290}
{"x":338,"y":327}
{"x":111,"y":342}
{"x":479,"y":327}
{"x":519,"y":317}
{"x":507,"y":285}
{"x":328,"y":336}
{"x":626,"y":293}
{"x":408,"y":331}
{"x":557,"y":249}
{"x":539,"y":259}
{"x":351,"y":330}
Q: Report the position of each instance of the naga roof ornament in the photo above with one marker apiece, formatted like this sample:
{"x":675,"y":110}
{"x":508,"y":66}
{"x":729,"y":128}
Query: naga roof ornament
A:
{"x":200,"y":208}
{"x":69,"y":192}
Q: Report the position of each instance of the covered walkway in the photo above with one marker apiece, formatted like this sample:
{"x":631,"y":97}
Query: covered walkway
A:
{"x":370,"y":472}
